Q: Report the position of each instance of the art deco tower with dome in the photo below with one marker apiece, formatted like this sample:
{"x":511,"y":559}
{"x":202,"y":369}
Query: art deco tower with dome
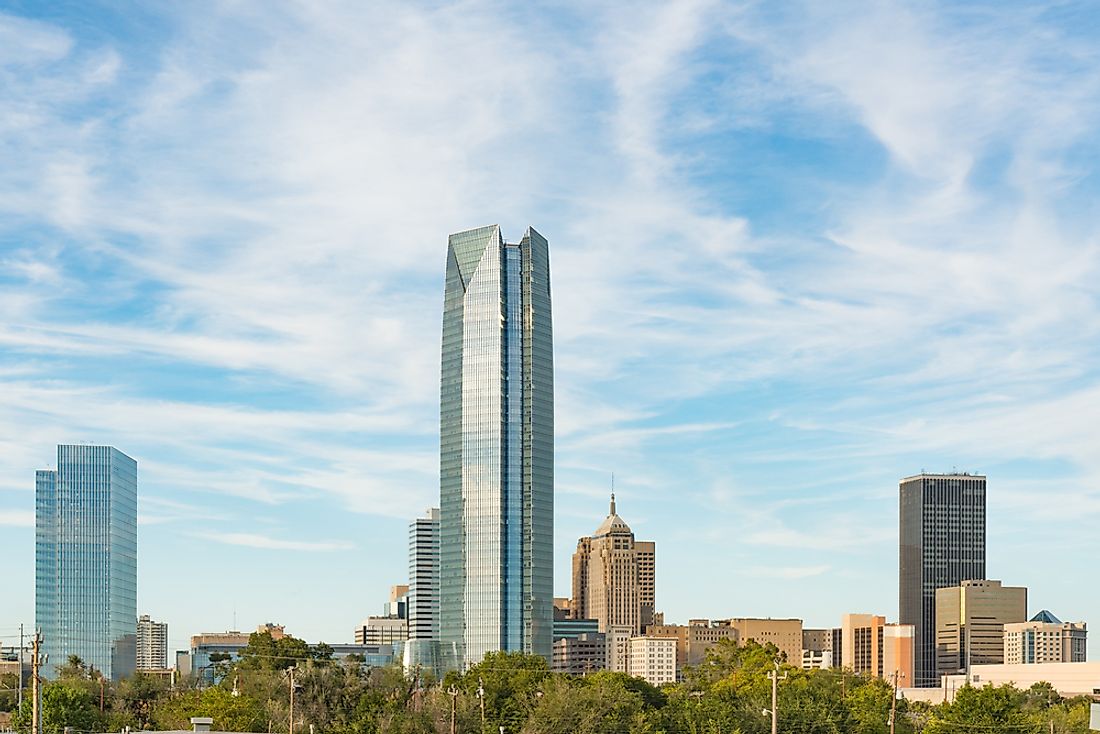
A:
{"x":613,"y":576}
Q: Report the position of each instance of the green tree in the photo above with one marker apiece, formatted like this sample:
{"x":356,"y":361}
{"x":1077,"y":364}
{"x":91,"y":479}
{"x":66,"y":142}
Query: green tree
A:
{"x":506,"y":683}
{"x":63,"y":704}
{"x":995,"y":709}
{"x":230,"y":712}
{"x":593,"y":705}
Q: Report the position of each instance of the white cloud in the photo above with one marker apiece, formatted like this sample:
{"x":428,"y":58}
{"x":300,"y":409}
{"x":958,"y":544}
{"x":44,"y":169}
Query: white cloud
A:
{"x":253,"y":540}
{"x":17,"y":518}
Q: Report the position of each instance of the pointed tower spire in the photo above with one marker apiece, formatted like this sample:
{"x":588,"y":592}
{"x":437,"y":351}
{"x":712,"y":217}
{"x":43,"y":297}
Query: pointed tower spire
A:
{"x":612,"y":504}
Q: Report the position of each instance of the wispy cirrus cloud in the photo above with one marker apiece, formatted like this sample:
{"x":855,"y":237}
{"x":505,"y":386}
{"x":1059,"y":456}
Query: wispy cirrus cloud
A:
{"x":264,"y":542}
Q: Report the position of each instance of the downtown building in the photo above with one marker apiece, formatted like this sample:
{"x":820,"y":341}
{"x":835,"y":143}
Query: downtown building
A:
{"x":613,"y":577}
{"x":496,"y":519}
{"x":152,"y":644}
{"x":86,"y":559}
{"x":942,"y":544}
{"x":422,"y":648}
{"x":1045,"y":639}
{"x":970,"y":623}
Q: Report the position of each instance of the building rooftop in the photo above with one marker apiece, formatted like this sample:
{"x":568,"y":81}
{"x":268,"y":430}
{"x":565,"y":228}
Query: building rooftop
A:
{"x":612,"y":523}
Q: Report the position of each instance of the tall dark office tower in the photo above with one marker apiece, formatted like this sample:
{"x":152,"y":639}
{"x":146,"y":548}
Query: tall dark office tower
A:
{"x":496,"y":448}
{"x":942,"y":534}
{"x":86,"y":558}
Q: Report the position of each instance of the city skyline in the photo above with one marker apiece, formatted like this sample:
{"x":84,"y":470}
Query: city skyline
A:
{"x":785,"y":276}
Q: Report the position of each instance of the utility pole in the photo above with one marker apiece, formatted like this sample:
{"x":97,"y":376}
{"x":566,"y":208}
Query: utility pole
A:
{"x":36,"y":686}
{"x":894,"y":701}
{"x":290,"y":670}
{"x":19,"y":704}
{"x":481,"y":695}
{"x":101,"y":692}
{"x":774,"y":677}
{"x":454,"y":706}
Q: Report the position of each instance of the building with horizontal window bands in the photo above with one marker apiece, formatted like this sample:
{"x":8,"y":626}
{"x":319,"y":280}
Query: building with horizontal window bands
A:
{"x":496,"y":519}
{"x":613,"y":576}
{"x":152,"y":644}
{"x":693,"y":639}
{"x":586,"y":653}
{"x":970,"y":622}
{"x":942,"y":543}
{"x":86,"y":559}
{"x":1045,"y":639}
{"x":785,"y":634}
{"x":424,"y":576}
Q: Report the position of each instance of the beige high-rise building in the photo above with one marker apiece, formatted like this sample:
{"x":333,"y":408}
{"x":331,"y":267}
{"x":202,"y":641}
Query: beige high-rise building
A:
{"x":785,"y":634}
{"x":1045,"y":639}
{"x":693,"y":639}
{"x":897,"y":653}
{"x":871,"y":646}
{"x":614,"y":577}
{"x":970,"y":620}
{"x":862,"y":643}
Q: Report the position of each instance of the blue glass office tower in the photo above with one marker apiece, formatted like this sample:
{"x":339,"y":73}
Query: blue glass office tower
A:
{"x":496,"y":448}
{"x":86,"y":559}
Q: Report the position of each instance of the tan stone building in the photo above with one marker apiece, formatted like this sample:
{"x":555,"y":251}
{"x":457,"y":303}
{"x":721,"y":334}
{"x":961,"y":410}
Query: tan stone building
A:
{"x":785,"y":634}
{"x":693,"y":639}
{"x":614,"y":577}
{"x":1045,"y":639}
{"x":970,"y":620}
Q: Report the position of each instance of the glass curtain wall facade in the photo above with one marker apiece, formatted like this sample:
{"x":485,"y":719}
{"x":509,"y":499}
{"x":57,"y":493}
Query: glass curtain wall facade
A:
{"x":86,"y":558}
{"x":496,"y":448}
{"x":942,"y":544}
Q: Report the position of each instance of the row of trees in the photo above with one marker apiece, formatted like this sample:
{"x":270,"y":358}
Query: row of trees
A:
{"x":515,"y":693}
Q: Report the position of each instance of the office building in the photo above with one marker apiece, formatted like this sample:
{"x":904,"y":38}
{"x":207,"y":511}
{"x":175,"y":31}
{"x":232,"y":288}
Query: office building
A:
{"x":970,"y":620}
{"x":653,"y":659}
{"x":86,"y":558}
{"x":424,"y":576}
{"x":897,"y":653}
{"x":870,"y":646}
{"x":574,"y":628}
{"x":398,"y":605}
{"x":785,"y":634}
{"x":618,"y":648}
{"x":152,"y":644}
{"x":862,"y":640}
{"x":1045,"y":639}
{"x":613,"y":576}
{"x":586,"y":653}
{"x":496,"y":521}
{"x":817,"y":649}
{"x":942,"y":543}
{"x":693,"y":639}
{"x":382,"y":631}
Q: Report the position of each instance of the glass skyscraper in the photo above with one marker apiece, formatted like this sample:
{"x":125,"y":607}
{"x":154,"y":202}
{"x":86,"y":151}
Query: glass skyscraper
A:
{"x":942,"y":544}
{"x":496,"y":448}
{"x":86,"y":559}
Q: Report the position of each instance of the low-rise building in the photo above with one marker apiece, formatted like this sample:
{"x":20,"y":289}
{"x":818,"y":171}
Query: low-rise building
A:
{"x":817,"y":649}
{"x":1045,"y":639}
{"x":693,"y":639}
{"x":382,"y":631}
{"x":653,"y":659}
{"x":580,"y":655}
{"x":785,"y":634}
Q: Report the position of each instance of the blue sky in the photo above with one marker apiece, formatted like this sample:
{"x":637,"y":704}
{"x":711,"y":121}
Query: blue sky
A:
{"x":798,"y":251}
